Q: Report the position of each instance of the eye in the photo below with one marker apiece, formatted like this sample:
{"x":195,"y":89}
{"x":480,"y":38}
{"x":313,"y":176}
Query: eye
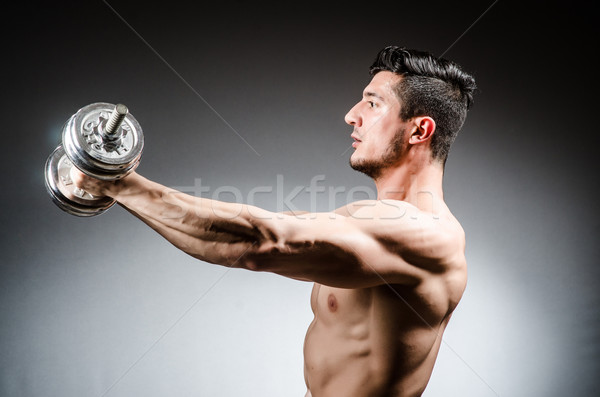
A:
{"x":371,"y":104}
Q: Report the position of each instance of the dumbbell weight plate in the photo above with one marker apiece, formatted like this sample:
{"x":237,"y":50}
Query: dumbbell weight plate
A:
{"x":65,"y":194}
{"x":86,"y":145}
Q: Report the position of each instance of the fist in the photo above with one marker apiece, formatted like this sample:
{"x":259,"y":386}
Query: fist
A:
{"x":93,"y":186}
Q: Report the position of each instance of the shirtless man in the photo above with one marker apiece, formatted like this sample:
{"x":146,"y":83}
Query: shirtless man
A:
{"x":387,"y":273}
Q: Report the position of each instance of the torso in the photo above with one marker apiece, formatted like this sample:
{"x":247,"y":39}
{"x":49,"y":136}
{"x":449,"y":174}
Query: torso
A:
{"x":379,"y":341}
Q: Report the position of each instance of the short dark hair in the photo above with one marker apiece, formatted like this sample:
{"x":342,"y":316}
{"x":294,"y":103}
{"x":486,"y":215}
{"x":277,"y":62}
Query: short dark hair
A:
{"x":430,"y":86}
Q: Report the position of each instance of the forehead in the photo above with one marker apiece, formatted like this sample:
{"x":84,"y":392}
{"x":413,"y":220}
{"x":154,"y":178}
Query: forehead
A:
{"x":382,"y":84}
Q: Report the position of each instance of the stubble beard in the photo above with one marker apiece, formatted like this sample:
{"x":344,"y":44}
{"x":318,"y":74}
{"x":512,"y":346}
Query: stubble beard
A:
{"x":374,"y":167}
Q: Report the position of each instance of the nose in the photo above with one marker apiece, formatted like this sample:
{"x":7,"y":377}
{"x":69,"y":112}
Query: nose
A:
{"x":353,"y":117}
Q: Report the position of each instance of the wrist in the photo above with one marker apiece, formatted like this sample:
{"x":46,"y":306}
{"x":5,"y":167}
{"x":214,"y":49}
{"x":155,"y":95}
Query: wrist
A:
{"x":115,"y":189}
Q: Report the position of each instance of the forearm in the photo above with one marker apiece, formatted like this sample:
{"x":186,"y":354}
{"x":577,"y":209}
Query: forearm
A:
{"x":213,"y":231}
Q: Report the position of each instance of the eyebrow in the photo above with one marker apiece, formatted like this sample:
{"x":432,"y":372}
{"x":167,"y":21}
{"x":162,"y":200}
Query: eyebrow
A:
{"x":373,"y":94}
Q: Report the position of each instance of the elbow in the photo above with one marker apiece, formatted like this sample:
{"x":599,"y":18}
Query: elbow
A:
{"x":253,"y":264}
{"x":264,"y":256}
{"x":268,"y":250}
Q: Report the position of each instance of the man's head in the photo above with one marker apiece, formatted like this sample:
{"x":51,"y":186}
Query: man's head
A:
{"x":411,"y":92}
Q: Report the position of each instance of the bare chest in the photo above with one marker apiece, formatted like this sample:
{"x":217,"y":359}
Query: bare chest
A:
{"x":335,"y":305}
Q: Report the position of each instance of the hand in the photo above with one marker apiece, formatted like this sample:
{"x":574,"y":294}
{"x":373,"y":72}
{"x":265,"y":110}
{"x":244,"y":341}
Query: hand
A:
{"x":93,"y":186}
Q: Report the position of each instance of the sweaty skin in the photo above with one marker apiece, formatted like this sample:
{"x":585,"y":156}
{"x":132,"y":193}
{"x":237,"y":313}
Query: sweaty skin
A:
{"x":387,"y":273}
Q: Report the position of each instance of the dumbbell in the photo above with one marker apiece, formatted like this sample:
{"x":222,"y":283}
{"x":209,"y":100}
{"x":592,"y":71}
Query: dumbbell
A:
{"x":103,"y":141}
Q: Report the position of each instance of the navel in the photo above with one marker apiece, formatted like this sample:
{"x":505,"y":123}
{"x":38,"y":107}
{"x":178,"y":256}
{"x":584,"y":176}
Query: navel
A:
{"x":332,"y":303}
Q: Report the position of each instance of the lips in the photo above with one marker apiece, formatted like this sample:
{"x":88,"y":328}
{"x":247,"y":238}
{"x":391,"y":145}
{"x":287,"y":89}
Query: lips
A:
{"x":356,"y":141}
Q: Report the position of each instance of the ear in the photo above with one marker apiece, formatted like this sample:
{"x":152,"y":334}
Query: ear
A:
{"x":423,"y":129}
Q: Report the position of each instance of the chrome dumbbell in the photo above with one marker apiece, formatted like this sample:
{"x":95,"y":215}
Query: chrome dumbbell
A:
{"x":103,"y":141}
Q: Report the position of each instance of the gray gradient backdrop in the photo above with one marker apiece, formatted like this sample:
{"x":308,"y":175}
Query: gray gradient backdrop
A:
{"x":235,"y":96}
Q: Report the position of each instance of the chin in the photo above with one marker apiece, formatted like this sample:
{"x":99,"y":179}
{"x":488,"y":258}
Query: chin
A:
{"x":357,"y":158}
{"x":371,"y":169}
{"x":356,"y":161}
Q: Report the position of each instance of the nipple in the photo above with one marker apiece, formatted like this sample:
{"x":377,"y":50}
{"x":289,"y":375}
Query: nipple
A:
{"x":332,"y":303}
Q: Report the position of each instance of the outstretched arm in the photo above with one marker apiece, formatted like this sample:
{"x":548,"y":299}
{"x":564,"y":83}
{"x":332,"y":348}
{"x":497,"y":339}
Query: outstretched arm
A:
{"x":376,"y":242}
{"x":210,"y":230}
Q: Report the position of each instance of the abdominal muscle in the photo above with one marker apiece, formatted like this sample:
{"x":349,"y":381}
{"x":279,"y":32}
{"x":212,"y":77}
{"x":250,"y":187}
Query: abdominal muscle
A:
{"x":369,"y":342}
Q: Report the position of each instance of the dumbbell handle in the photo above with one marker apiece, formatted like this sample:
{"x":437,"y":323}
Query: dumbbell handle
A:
{"x":116,"y":119}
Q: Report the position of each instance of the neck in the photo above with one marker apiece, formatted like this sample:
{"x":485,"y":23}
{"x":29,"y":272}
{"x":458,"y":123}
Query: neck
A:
{"x":417,"y":181}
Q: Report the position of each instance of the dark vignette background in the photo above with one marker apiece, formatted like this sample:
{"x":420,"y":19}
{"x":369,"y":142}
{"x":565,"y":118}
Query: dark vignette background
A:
{"x":104,"y":306}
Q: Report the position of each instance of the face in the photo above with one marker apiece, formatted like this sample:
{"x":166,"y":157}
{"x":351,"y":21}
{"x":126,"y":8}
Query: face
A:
{"x":378,"y":130}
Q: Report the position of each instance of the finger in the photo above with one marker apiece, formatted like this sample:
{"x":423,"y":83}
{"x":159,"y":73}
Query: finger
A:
{"x":77,"y":177}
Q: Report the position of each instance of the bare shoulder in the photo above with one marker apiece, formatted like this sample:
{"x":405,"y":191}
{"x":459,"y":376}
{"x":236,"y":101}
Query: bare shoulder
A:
{"x":431,"y":242}
{"x":428,"y":247}
{"x":434,"y":240}
{"x":364,"y":244}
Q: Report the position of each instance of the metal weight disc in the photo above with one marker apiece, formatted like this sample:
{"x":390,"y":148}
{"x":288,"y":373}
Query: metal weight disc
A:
{"x":86,"y":145}
{"x":65,"y":194}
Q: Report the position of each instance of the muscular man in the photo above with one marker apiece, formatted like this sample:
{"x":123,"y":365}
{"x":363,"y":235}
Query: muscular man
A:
{"x":387,"y":273}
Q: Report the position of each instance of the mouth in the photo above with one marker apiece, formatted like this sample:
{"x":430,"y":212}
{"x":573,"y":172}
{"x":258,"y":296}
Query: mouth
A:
{"x":356,"y":141}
